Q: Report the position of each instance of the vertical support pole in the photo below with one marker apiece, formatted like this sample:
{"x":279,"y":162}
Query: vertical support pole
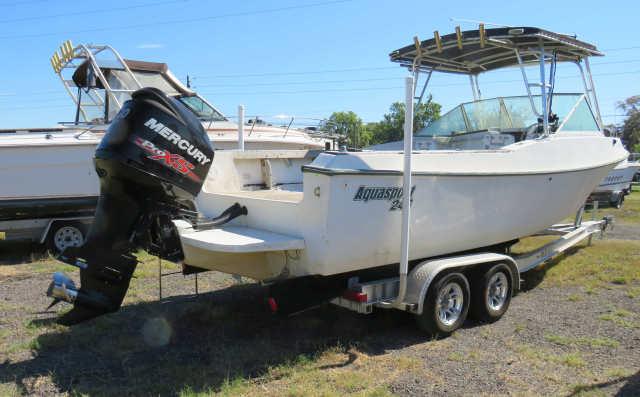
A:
{"x":593,"y":91}
{"x":196,"y":283}
{"x":473,"y":88}
{"x":159,"y":278}
{"x":241,"y":128}
{"x":543,"y":92}
{"x":526,"y":82}
{"x":424,"y":87}
{"x":578,"y":219}
{"x":406,"y":191}
{"x":594,"y":213}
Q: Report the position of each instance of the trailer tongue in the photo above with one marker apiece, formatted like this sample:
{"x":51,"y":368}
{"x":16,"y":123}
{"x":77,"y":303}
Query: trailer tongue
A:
{"x":151,"y":164}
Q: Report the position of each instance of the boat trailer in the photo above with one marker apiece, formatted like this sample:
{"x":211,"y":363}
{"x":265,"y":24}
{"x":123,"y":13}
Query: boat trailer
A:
{"x":363,"y":297}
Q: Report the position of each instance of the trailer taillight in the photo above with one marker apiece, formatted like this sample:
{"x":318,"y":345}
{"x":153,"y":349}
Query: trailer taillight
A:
{"x":355,"y":296}
{"x":273,"y":305}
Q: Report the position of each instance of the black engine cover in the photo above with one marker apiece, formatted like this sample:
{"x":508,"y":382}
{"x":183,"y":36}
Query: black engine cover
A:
{"x":158,"y":136}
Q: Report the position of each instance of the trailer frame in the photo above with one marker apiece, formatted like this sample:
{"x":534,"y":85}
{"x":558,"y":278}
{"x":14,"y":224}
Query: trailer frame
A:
{"x":363,"y":297}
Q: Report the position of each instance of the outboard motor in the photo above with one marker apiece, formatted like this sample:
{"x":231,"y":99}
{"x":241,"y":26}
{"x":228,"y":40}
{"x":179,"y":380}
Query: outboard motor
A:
{"x":152,"y":163}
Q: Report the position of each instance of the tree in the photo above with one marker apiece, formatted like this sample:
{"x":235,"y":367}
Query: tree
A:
{"x":391,"y":128}
{"x":349,"y":127}
{"x":631,"y":127}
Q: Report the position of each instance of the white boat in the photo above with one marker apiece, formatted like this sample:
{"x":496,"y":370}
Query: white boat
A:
{"x":343,"y":218}
{"x":47,"y":171}
{"x":316,"y":226}
{"x":617,"y":184}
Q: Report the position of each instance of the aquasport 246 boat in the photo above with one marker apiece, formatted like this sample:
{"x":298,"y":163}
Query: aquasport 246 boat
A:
{"x":54,"y":165}
{"x":321,"y":226}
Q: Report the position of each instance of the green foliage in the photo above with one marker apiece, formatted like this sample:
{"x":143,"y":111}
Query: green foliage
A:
{"x":631,"y":127}
{"x":349,"y":127}
{"x":391,"y":127}
{"x":355,"y":134}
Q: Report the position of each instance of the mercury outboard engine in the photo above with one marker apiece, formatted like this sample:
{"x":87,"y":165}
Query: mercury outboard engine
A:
{"x":152,"y":163}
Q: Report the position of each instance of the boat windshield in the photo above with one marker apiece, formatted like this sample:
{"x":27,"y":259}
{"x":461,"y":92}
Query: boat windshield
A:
{"x":121,"y":80}
{"x":201,"y":108}
{"x":512,"y":113}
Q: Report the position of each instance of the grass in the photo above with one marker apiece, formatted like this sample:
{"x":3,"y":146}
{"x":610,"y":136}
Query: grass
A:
{"x":622,"y":318}
{"x":628,"y":214}
{"x":603,"y":264}
{"x":314,"y":375}
{"x":582,"y":341}
{"x":536,"y":353}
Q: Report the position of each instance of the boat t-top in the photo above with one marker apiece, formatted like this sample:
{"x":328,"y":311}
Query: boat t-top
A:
{"x":100,"y":81}
{"x":426,"y":231}
{"x":487,"y":123}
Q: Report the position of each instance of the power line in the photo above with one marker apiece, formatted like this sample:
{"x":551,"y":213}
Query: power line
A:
{"x":112,"y":9}
{"x":359,"y":69}
{"x":388,"y":88}
{"x":358,"y":80}
{"x":622,"y":48}
{"x":297,"y":82}
{"x":9,"y":96}
{"x":181,"y":21}
{"x":298,"y":73}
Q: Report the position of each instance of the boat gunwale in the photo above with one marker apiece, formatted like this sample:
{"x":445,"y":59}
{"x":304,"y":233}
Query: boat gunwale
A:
{"x":333,"y":171}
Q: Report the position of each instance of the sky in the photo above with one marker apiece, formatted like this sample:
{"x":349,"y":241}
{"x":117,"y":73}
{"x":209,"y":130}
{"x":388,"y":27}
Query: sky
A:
{"x":305,"y":58}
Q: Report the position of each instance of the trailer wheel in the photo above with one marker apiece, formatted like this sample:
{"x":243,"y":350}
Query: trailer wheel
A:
{"x":445,"y":306}
{"x":64,"y":235}
{"x":491,"y":294}
{"x":618,"y":202}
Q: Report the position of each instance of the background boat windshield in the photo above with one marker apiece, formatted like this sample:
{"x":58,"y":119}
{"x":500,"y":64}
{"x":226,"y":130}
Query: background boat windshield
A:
{"x":201,"y":108}
{"x":509,"y":113}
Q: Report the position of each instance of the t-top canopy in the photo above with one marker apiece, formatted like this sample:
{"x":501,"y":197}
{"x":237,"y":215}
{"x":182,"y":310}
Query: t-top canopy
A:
{"x":139,"y":68}
{"x":476,"y":51}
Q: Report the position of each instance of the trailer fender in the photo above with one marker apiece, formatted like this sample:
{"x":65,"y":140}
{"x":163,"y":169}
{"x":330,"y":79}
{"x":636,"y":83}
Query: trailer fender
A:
{"x":421,"y":276}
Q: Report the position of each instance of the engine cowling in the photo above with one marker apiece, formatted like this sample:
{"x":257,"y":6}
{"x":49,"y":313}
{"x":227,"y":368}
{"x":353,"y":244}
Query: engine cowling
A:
{"x":152,"y":163}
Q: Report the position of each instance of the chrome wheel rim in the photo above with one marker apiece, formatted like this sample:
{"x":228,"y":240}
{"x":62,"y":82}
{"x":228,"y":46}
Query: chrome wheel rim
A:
{"x":67,"y":236}
{"x":449,"y":304}
{"x":497,"y":290}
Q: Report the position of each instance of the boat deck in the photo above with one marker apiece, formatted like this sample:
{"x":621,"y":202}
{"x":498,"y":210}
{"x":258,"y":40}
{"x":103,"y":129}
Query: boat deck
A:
{"x":270,"y":194}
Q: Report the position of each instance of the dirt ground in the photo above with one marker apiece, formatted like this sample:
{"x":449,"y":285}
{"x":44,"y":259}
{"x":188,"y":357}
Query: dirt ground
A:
{"x":574,"y":330}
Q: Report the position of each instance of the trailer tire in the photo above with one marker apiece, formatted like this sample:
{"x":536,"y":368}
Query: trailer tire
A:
{"x":452,"y":291}
{"x":64,"y":234}
{"x":491,"y":293}
{"x":618,"y":202}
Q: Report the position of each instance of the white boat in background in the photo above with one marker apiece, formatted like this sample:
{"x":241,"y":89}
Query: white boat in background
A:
{"x":48,"y":172}
{"x":617,"y":184}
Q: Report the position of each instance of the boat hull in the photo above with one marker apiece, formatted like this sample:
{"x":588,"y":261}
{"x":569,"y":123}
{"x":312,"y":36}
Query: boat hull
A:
{"x":619,"y":179}
{"x":43,"y":180}
{"x":349,"y":213}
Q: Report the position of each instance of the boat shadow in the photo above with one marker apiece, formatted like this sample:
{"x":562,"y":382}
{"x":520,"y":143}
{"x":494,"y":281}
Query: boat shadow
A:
{"x":15,"y":253}
{"x":198,"y":344}
{"x":630,"y":386}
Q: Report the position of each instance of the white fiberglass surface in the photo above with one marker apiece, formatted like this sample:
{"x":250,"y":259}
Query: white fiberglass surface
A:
{"x":507,"y":113}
